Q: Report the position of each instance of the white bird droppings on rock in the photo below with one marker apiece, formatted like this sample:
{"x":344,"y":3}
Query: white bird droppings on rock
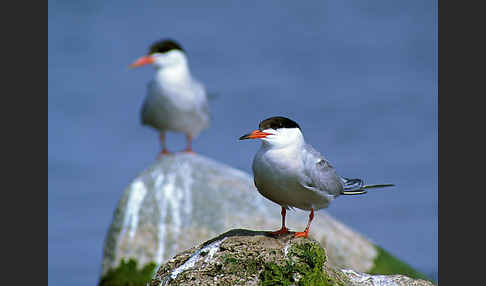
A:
{"x":211,"y":249}
{"x":133,"y":207}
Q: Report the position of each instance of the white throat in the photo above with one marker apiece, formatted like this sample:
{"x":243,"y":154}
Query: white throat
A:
{"x":178,"y":73}
{"x":290,"y":139}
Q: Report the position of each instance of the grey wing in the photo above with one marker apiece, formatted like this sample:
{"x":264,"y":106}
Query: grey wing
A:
{"x":148,"y":112}
{"x":205,"y":108}
{"x":145,"y":113}
{"x":201,"y":89}
{"x":319,"y":174}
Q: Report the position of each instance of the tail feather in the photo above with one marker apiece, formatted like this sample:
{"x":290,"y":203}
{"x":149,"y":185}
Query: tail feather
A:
{"x":378,"y":186}
{"x":357,"y":186}
{"x":356,"y":192}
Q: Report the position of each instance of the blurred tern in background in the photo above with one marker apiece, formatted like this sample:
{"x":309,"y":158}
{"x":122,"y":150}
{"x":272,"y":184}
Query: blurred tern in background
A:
{"x":175,"y":100}
{"x":291,"y":173}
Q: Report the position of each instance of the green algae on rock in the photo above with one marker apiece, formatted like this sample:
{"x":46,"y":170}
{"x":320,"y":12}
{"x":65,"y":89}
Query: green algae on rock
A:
{"x":303,"y":265}
{"x":127,"y":274}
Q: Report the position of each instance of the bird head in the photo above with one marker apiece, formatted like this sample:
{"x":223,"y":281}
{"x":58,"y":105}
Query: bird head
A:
{"x":162,"y":54}
{"x":277,"y":132}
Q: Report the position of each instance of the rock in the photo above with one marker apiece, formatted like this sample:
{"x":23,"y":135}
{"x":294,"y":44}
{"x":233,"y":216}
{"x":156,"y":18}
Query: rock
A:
{"x":245,"y":257}
{"x":364,"y":279}
{"x":185,"y":199}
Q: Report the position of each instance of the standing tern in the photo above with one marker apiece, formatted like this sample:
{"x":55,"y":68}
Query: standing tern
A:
{"x":291,"y":173}
{"x":175,"y":100}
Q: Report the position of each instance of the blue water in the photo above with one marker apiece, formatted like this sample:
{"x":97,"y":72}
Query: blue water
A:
{"x":360,"y":77}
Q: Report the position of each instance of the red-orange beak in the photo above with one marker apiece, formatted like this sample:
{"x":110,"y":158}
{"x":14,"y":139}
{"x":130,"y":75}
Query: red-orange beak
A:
{"x":145,"y":60}
{"x":255,"y":134}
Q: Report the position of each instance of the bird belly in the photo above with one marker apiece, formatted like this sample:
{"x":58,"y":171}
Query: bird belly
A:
{"x":164,"y":113}
{"x":282,"y":186}
{"x":291,"y":195}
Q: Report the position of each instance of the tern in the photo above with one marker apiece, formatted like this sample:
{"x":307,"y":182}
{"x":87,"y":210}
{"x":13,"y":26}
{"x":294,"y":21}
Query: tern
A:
{"x":291,"y":173}
{"x":175,"y":100}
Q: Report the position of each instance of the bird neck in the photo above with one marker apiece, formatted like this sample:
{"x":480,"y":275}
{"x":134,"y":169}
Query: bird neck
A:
{"x":174,"y":74}
{"x":293,"y":148}
{"x":282,"y":157}
{"x":290,"y":139}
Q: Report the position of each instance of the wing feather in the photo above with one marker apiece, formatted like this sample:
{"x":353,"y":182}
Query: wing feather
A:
{"x":319,"y":174}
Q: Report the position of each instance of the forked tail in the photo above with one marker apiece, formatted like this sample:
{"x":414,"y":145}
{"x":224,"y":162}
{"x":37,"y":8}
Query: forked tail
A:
{"x":357,"y":186}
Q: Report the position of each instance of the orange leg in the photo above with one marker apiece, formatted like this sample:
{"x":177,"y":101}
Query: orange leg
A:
{"x":164,"y":147}
{"x":284,"y":229}
{"x":305,"y":233}
{"x":189,"y":144}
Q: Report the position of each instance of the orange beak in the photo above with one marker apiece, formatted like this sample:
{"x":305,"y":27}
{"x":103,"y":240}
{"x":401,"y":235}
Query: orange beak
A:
{"x":145,"y":60}
{"x":255,"y":134}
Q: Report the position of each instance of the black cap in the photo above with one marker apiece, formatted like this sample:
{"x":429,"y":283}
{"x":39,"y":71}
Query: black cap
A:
{"x":164,"y":46}
{"x":277,"y":122}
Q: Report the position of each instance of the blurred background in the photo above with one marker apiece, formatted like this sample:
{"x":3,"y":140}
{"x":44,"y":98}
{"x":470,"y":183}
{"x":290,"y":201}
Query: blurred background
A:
{"x":360,"y":77}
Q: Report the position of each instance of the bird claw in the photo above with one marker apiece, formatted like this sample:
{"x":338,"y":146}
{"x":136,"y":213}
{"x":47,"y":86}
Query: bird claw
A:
{"x":304,"y":234}
{"x":163,"y":152}
{"x":281,"y":231}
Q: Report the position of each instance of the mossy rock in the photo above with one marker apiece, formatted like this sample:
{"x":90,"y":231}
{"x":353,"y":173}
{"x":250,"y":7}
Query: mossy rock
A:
{"x":254,"y":258}
{"x":304,"y":265}
{"x":127,"y":274}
